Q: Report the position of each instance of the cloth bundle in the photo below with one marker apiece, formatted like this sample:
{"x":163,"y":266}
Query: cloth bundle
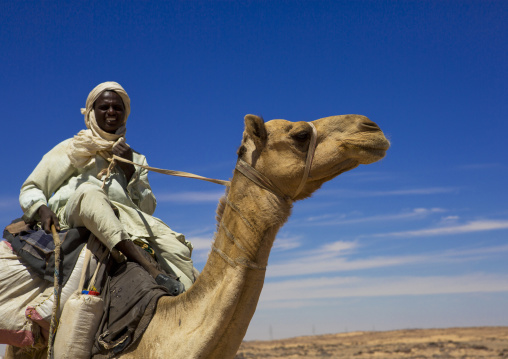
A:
{"x":80,"y":318}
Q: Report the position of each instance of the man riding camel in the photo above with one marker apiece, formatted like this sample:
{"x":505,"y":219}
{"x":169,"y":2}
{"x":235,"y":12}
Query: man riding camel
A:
{"x":67,"y":189}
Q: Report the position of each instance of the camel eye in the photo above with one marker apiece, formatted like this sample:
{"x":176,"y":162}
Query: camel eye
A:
{"x":301,"y":136}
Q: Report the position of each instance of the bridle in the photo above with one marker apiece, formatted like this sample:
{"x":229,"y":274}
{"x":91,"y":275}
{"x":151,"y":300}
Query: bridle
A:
{"x":264,"y":182}
{"x":251,"y":173}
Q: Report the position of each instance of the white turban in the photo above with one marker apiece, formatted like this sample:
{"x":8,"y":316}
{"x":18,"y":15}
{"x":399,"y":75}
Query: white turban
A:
{"x":87,"y":143}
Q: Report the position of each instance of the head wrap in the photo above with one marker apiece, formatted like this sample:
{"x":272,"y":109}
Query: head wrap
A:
{"x":87,"y":143}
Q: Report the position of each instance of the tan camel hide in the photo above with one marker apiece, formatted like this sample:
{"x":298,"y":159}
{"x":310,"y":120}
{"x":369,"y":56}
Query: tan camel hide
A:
{"x":210,"y":319}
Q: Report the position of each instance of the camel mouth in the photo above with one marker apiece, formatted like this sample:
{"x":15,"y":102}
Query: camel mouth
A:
{"x":375,"y":150}
{"x":345,"y":166}
{"x":338,"y":169}
{"x":373,"y":155}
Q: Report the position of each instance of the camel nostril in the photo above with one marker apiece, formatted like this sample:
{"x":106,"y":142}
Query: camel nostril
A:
{"x":369,"y":126}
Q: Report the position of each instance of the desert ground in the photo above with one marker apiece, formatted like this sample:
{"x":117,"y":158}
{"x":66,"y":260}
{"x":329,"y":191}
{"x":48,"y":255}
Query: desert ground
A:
{"x":465,"y":343}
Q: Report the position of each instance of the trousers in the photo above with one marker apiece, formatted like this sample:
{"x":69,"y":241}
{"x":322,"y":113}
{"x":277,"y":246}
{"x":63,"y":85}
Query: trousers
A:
{"x":90,"y":207}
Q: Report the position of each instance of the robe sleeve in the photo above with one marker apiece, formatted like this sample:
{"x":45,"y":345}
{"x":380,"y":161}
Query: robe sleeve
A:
{"x":139,"y":189}
{"x":53,"y":170}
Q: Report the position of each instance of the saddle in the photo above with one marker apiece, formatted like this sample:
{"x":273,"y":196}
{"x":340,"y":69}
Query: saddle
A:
{"x":129,"y":293}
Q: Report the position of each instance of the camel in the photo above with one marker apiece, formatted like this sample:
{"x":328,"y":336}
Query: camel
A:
{"x":276,"y":167}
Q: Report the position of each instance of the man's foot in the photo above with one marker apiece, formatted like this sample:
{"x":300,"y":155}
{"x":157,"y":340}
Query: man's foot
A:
{"x":174,"y":286}
{"x":137,"y":255}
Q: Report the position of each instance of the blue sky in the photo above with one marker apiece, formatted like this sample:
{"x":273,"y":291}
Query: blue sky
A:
{"x":417,"y":240}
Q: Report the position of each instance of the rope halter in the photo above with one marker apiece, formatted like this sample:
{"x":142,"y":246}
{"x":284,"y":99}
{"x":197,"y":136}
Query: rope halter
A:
{"x":264,"y":182}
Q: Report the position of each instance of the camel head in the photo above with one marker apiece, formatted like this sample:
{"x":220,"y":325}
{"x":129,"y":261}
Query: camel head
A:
{"x":278,"y":149}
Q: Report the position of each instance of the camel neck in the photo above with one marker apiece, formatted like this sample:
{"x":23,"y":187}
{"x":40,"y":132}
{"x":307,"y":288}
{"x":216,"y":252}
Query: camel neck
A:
{"x":216,"y":310}
{"x":244,"y":229}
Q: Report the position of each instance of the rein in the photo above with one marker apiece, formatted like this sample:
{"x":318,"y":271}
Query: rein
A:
{"x":243,"y":167}
{"x":158,"y":170}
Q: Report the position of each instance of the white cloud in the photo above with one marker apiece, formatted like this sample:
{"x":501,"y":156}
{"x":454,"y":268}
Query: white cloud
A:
{"x":449,"y":219}
{"x":303,"y":290}
{"x":474,"y":226}
{"x":200,"y":243}
{"x":468,"y":254}
{"x":326,"y":216}
{"x":324,"y":262}
{"x":331,"y":258}
{"x":9,"y":203}
{"x":341,"y":219}
{"x":194,"y":197}
{"x":480,"y":166}
{"x":201,"y":232}
{"x":367,"y":176}
{"x":287,"y":243}
{"x":339,"y":247}
{"x":402,"y":192}
{"x":415,"y":191}
{"x":202,"y":247}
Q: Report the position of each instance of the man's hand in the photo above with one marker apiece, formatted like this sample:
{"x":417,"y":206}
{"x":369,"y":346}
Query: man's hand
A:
{"x":48,"y":217}
{"x":123,"y":150}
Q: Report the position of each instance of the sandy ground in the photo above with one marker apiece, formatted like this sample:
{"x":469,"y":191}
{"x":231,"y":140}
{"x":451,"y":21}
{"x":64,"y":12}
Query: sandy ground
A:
{"x":481,"y":342}
{"x":464,"y":343}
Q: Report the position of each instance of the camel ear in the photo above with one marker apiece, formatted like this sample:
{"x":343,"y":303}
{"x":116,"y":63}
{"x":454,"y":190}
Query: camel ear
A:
{"x":255,"y":128}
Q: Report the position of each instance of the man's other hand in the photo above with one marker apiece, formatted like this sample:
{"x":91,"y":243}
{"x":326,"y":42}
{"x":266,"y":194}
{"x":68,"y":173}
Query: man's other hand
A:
{"x":48,"y":217}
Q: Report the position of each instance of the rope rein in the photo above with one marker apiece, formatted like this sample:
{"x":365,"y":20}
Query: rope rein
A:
{"x":158,"y":170}
{"x":243,"y":167}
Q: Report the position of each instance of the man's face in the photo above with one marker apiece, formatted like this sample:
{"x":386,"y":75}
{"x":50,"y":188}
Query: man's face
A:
{"x":109,"y":111}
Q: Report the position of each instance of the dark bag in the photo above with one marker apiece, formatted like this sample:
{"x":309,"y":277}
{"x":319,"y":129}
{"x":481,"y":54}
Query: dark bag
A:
{"x":37,"y":248}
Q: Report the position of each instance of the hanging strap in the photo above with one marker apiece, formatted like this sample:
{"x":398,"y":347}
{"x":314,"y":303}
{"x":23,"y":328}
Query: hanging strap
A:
{"x":91,"y":284}
{"x":88,"y":256}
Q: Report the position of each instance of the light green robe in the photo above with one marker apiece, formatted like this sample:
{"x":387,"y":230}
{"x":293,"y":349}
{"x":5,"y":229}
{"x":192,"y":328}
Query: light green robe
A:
{"x":55,"y":174}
